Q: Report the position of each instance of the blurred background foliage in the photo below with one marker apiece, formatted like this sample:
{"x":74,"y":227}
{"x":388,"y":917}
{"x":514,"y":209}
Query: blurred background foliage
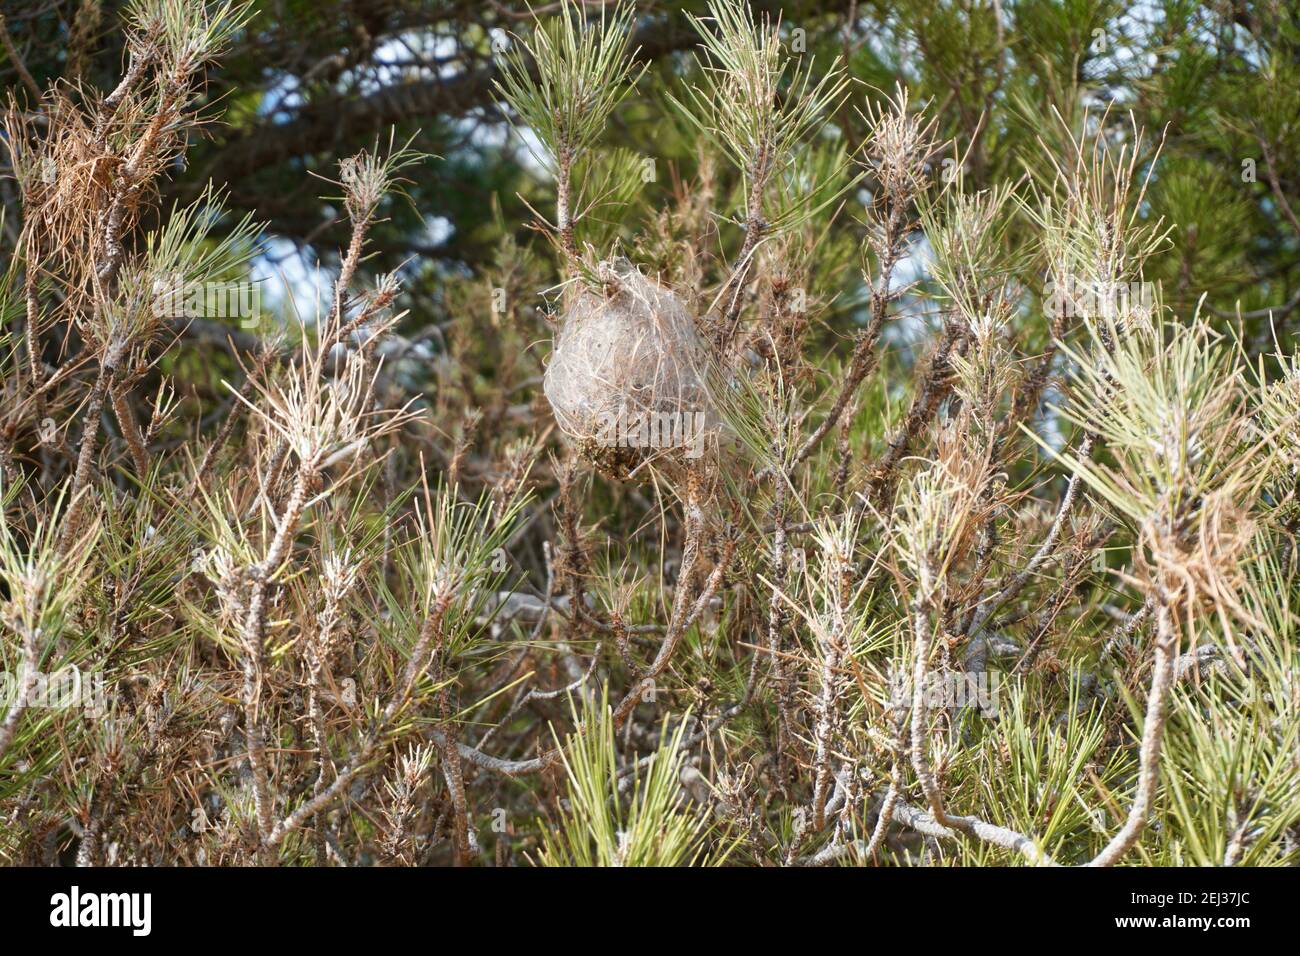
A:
{"x":314,"y":81}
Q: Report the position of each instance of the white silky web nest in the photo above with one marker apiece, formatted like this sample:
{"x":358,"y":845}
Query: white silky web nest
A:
{"x":627,"y":379}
